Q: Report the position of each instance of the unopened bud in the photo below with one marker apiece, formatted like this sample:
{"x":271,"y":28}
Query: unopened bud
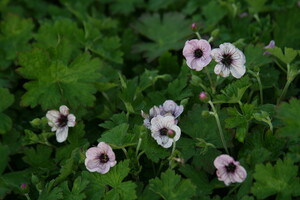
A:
{"x":24,"y":188}
{"x":203,"y":96}
{"x":205,"y":113}
{"x":170,"y":133}
{"x":194,"y":27}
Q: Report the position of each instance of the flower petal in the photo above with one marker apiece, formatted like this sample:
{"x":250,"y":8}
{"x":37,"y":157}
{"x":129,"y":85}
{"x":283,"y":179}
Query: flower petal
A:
{"x":222,"y":160}
{"x":62,"y":134}
{"x":52,"y":115}
{"x":92,"y":164}
{"x":71,"y":120}
{"x":177,"y":132}
{"x":93,"y":153}
{"x":103,"y":168}
{"x":64,"y":110}
{"x":237,"y":71}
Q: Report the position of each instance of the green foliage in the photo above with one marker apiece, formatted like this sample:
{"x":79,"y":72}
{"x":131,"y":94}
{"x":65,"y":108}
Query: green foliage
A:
{"x":204,"y":128}
{"x":254,"y":56}
{"x":55,"y":82}
{"x":7,"y":100}
{"x":78,"y":188}
{"x":99,"y":183}
{"x":4,"y":157}
{"x":171,"y":186}
{"x":51,"y":194}
{"x":164,"y":33}
{"x":288,"y":56}
{"x":118,"y":136}
{"x":279,"y":180}
{"x":289,"y":114}
{"x":233,"y":92}
{"x":14,"y":37}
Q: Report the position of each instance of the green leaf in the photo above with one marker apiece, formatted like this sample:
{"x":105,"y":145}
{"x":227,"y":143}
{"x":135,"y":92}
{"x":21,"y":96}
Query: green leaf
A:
{"x":51,"y":194}
{"x":117,"y":137}
{"x":4,"y":157}
{"x":78,"y":188}
{"x":199,"y":179}
{"x":120,"y":190}
{"x":213,"y":13}
{"x":55,"y":82}
{"x":279,"y":180}
{"x":205,"y":128}
{"x":39,"y":158}
{"x":233,"y":92}
{"x":69,"y":166}
{"x":14,"y":36}
{"x":254,"y":56}
{"x":7,"y":100}
{"x":164,"y":33}
{"x":288,"y":56}
{"x":257,"y":6}
{"x":171,"y":187}
{"x":289,"y":115}
{"x":114,"y":121}
{"x":124,"y":7}
{"x":32,"y":138}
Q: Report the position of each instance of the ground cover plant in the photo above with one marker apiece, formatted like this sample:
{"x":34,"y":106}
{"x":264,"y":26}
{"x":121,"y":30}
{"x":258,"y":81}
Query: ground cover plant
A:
{"x":149,"y":99}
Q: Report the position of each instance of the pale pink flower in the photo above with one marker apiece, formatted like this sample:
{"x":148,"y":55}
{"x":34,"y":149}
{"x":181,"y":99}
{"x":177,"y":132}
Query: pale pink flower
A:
{"x":100,"y":159}
{"x":271,"y":45}
{"x":60,"y":121}
{"x":164,"y":130}
{"x":171,"y":107}
{"x":197,"y":53}
{"x":230,"y":60}
{"x":229,"y":170}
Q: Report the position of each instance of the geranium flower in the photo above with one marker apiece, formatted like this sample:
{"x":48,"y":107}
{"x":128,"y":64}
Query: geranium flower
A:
{"x":197,"y":53}
{"x":164,"y":130}
{"x":271,"y":45}
{"x":154,"y":111}
{"x":60,"y":121}
{"x":172,"y":108}
{"x":229,"y":170}
{"x":169,"y":107}
{"x":100,"y":159}
{"x":230,"y":60}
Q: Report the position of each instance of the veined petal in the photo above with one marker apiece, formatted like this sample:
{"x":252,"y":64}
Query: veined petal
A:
{"x":92,"y":164}
{"x":237,"y":71}
{"x":71,"y":120}
{"x":52,"y":115}
{"x":93,"y":153}
{"x":222,"y":160}
{"x":64,"y":110}
{"x":62,"y":134}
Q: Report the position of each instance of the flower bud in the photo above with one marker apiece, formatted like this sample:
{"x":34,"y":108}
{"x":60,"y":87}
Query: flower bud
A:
{"x":170,"y":133}
{"x":203,"y":96}
{"x":205,"y":113}
{"x":194,"y":27}
{"x":24,"y":188}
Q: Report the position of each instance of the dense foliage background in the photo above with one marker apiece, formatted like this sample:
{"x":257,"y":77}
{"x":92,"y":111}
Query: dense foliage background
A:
{"x":109,"y":59}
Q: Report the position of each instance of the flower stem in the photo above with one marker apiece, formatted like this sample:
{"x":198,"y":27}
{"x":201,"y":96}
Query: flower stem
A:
{"x":287,"y":84}
{"x":256,"y":75}
{"x":210,"y":81}
{"x":125,"y":152}
{"x":27,"y":196}
{"x":138,"y":146}
{"x":198,"y":35}
{"x":173,"y":149}
{"x":219,"y":125}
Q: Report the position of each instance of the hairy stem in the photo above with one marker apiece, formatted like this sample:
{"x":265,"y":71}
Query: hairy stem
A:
{"x":219,"y":125}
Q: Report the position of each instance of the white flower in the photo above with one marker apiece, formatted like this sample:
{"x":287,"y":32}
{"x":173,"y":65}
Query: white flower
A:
{"x":60,"y":121}
{"x":230,"y":60}
{"x":164,"y":130}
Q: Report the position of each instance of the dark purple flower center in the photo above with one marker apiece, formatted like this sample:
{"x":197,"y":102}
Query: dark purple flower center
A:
{"x":198,"y":53}
{"x":230,"y":168}
{"x":104,"y":158}
{"x":62,"y":120}
{"x":227,"y":60}
{"x":163,"y":131}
